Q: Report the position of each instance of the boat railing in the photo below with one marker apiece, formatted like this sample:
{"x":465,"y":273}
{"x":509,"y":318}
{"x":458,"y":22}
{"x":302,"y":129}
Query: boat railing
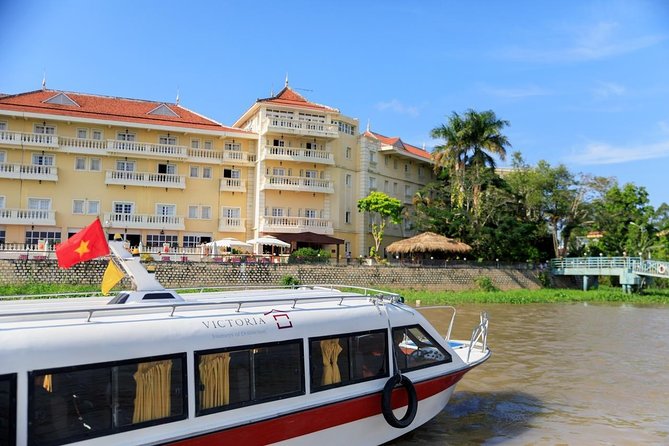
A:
{"x":375,"y":296}
{"x":479,"y":335}
{"x":443,"y":307}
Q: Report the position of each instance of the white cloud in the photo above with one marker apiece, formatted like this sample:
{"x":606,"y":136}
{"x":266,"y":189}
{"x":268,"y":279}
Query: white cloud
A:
{"x":594,"y":42}
{"x":517,"y":93}
{"x":602,"y":153}
{"x":397,"y":107}
{"x":608,"y":89}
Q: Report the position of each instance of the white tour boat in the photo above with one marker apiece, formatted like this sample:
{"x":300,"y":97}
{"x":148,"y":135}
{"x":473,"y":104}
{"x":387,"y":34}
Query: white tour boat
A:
{"x":306,"y":365}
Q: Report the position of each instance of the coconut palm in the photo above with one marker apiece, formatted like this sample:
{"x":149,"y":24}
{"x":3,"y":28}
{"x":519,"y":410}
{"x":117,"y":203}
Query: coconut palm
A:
{"x":471,"y":141}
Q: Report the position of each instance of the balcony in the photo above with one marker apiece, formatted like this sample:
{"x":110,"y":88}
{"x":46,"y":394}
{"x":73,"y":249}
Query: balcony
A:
{"x":234,"y":157}
{"x":299,"y":155}
{"x":300,"y":127}
{"x":298,"y":184}
{"x":27,"y":217}
{"x":230,"y":224}
{"x":84,"y":146}
{"x":232,"y":185}
{"x":40,"y":140}
{"x":145,"y":149}
{"x":148,"y":179}
{"x":28,"y":172}
{"x":116,"y":220}
{"x":296,"y":224}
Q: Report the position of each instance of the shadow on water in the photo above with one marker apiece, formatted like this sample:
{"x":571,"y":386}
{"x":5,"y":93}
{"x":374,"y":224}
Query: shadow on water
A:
{"x":473,"y":418}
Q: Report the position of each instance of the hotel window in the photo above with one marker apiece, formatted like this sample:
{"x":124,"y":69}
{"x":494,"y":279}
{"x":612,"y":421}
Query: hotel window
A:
{"x":125,"y":166}
{"x":82,"y":133}
{"x":88,"y":207}
{"x":407,"y":191}
{"x":193,"y":241}
{"x":310,"y":213}
{"x":45,"y":129}
{"x":42,"y":160}
{"x":206,"y":172}
{"x":3,"y":126}
{"x":278,"y":171}
{"x":278,"y":143}
{"x":372,"y":157}
{"x":97,"y":135}
{"x":167,"y":140}
{"x":3,"y":156}
{"x":372,"y":183}
{"x":166,"y":210}
{"x":208,"y":145}
{"x":194,"y":171}
{"x":35,"y":237}
{"x":386,"y":161}
{"x":386,"y":186}
{"x":348,"y":153}
{"x":348,"y":180}
{"x":395,"y":189}
{"x":39,"y":204}
{"x":80,"y":163}
{"x":233,"y":146}
{"x":205,"y":212}
{"x":406,"y":168}
{"x":194,"y":143}
{"x":95,"y":164}
{"x":168,"y":169}
{"x":227,"y":212}
{"x":123,"y":207}
{"x":277,"y":212}
{"x":125,"y":136}
{"x":395,"y":164}
{"x":193,"y":211}
{"x":347,"y":217}
{"x":2,"y":201}
{"x":232,"y":173}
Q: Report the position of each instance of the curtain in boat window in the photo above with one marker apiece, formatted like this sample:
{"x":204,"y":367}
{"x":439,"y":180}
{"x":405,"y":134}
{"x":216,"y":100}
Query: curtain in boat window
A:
{"x":215,"y":380}
{"x":152,"y":397}
{"x":330,"y":350}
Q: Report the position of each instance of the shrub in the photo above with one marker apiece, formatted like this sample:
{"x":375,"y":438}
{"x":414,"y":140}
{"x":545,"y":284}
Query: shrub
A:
{"x":309,"y":255}
{"x":289,"y":280}
{"x":485,"y":284}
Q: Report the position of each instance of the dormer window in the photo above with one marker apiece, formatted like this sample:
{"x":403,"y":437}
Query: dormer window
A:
{"x":163,"y":110}
{"x":61,"y":99}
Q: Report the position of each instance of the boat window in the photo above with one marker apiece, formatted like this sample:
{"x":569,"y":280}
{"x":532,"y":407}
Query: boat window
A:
{"x":120,"y":298}
{"x":8,"y":410}
{"x":149,"y":296}
{"x":415,"y":349}
{"x":347,"y":359}
{"x":238,"y":377}
{"x":81,"y":402}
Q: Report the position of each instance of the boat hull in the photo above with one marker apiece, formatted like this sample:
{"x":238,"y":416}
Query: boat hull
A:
{"x":356,"y":421}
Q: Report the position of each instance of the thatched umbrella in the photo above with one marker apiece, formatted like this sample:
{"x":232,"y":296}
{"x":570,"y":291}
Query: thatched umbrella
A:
{"x":428,"y":242}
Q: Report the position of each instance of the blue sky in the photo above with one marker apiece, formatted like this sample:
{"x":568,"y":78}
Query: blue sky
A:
{"x":582,"y":82}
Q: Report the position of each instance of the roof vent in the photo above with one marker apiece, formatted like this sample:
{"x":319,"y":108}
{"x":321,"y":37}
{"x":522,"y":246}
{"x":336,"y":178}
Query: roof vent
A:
{"x":61,"y":99}
{"x":163,"y":110}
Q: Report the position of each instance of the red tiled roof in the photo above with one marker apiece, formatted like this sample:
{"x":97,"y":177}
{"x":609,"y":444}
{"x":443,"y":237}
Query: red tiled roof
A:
{"x":289,"y":97}
{"x":393,"y":141}
{"x":109,"y":108}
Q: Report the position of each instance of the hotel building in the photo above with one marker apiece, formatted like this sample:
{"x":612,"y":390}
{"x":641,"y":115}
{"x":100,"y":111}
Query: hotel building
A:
{"x":159,"y":173}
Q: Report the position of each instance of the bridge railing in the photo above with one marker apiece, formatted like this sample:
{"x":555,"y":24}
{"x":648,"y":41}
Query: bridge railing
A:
{"x":595,"y":263}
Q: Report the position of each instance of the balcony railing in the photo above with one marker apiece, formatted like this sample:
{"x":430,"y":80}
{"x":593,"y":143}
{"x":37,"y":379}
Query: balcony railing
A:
{"x":83,"y":145}
{"x":126,"y":148}
{"x":148,"y":179}
{"x":232,"y":185}
{"x":28,"y":172}
{"x":234,"y":157}
{"x":300,"y":127}
{"x":299,"y":184}
{"x":117,"y":220}
{"x":27,"y":217}
{"x":296,"y":224}
{"x":231,"y":224}
{"x":29,"y":139}
{"x":299,"y":154}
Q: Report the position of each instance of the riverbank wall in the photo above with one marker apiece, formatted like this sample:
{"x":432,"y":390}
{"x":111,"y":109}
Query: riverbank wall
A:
{"x":208,"y":274}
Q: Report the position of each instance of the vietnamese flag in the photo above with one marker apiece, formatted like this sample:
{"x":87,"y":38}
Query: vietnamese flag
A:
{"x":86,"y":244}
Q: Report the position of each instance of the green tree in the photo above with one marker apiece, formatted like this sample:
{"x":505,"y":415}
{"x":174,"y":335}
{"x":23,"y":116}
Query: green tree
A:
{"x":470,"y":141}
{"x":382,"y":209}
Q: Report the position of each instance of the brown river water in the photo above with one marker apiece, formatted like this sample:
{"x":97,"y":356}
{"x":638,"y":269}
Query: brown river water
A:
{"x":560,"y":374}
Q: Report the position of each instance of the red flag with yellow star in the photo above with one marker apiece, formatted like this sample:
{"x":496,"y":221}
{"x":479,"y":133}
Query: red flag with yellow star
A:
{"x":86,"y":244}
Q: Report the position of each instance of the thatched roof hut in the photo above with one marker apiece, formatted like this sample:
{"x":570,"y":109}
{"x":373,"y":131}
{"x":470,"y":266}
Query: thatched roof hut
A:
{"x":428,"y":242}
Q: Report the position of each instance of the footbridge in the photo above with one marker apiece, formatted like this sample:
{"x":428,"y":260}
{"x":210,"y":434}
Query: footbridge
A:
{"x":632,"y":271}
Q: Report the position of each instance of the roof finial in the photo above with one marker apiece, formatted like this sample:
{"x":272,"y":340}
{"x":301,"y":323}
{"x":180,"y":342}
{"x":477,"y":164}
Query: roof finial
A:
{"x":286,"y":79}
{"x":368,"y":124}
{"x":44,"y":81}
{"x":177,"y":101}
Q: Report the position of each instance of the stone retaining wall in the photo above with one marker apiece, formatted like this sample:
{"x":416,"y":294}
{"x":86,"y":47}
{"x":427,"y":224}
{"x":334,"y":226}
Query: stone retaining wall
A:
{"x":195,"y":274}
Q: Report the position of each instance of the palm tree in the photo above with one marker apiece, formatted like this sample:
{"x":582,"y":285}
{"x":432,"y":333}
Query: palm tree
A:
{"x":471,"y":141}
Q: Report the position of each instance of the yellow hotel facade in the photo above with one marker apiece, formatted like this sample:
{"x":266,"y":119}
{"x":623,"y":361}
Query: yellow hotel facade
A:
{"x":159,"y":173}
